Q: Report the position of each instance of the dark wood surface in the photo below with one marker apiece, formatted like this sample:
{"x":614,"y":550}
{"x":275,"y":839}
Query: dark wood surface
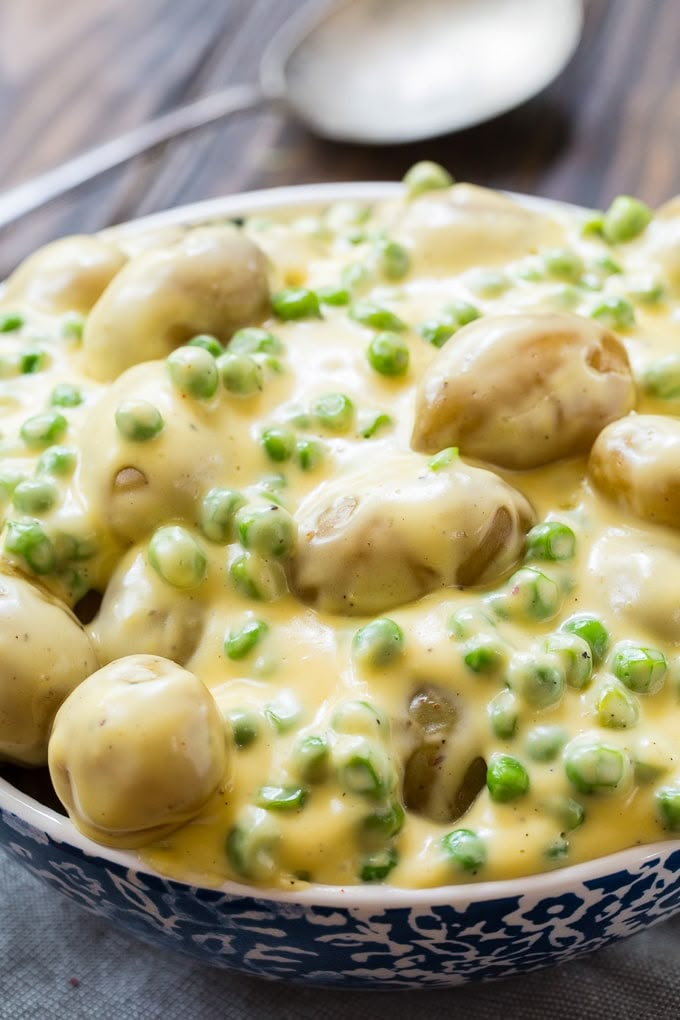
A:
{"x":74,"y":73}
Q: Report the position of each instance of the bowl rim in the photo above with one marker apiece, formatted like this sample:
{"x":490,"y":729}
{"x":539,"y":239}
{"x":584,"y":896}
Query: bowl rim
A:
{"x":61,"y":830}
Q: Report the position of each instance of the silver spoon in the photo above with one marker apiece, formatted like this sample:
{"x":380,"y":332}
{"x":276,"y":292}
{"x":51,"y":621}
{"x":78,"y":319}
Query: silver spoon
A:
{"x":378,"y":72}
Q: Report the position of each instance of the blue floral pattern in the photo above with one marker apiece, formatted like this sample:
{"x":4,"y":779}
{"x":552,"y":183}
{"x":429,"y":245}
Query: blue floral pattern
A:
{"x":360,"y":947}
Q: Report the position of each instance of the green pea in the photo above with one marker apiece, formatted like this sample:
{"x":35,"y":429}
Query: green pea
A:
{"x":593,"y":632}
{"x":563,"y":264}
{"x":334,"y":411}
{"x":310,"y":758}
{"x":641,"y":669}
{"x":244,"y":726}
{"x":9,"y":479}
{"x":217,"y":511}
{"x":73,"y":326}
{"x":625,"y":219}
{"x":438,"y":330}
{"x":43,"y":429}
{"x":503,"y":714}
{"x":488,"y":283}
{"x":355,"y":277}
{"x":257,"y":578}
{"x":506,"y":778}
{"x":484,"y":654}
{"x":345,"y":214}
{"x":268,"y":530}
{"x":550,"y":540}
{"x":377,"y":317}
{"x":138,"y":420}
{"x":363,"y":769}
{"x":240,"y":374}
{"x":393,"y":259}
{"x":426,"y":176}
{"x":557,"y":851}
{"x":383,"y":824}
{"x":445,"y":458}
{"x":468,"y":621}
{"x":253,"y":340}
{"x":373,"y":422}
{"x":334,"y":296}
{"x":544,"y":743}
{"x":594,"y":767}
{"x":241,"y":642}
{"x":28,"y":540}
{"x":31,"y":362}
{"x":34,"y":496}
{"x":357,"y":716}
{"x":208,"y":343}
{"x":529,"y":595}
{"x":377,"y":866}
{"x":193,"y":371}
{"x":647,"y":291}
{"x":66,"y":395}
{"x":177,"y":557}
{"x":278,"y":443}
{"x":616,"y":708}
{"x":574,"y":655}
{"x":296,"y":303}
{"x":283,"y":714}
{"x":378,"y":644}
{"x":10,"y":322}
{"x":565,"y":810}
{"x":309,"y":454}
{"x":615,"y":312}
{"x":251,"y":845}
{"x":465,"y":849}
{"x":537,"y":679}
{"x":668,"y":807}
{"x":462,"y":312}
{"x":662,"y":378}
{"x":593,"y":224}
{"x":388,"y":354}
{"x":282,"y":798}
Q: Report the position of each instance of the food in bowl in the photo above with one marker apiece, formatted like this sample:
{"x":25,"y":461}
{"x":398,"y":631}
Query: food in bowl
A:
{"x":357,"y":527}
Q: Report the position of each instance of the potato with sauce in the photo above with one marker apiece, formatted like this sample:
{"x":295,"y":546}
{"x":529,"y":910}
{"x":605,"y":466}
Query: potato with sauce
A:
{"x":68,"y":275}
{"x":137,"y":750}
{"x":46,"y":654}
{"x":388,"y":535}
{"x":523,"y":390}
{"x":212,"y":281}
{"x":636,"y":462}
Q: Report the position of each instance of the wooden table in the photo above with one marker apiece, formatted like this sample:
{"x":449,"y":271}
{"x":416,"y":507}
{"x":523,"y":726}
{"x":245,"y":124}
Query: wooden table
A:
{"x":74,"y":73}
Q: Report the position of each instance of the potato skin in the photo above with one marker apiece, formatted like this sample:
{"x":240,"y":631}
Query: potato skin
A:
{"x":68,"y":275}
{"x":137,"y":750}
{"x":521,"y":391}
{"x":212,"y":281}
{"x":45,"y":654}
{"x":372,"y":541}
{"x":636,"y":462}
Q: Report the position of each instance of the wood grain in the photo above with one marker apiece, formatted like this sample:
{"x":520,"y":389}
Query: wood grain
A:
{"x":76,"y":73}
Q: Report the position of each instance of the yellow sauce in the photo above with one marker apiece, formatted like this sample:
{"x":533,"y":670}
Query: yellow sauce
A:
{"x":303,"y":670}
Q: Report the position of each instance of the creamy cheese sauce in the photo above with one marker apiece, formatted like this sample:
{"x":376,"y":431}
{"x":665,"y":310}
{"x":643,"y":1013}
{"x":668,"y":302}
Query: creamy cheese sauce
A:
{"x":375,"y":526}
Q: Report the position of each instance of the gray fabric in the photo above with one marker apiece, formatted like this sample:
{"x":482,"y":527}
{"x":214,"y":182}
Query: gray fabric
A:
{"x":59,"y":963}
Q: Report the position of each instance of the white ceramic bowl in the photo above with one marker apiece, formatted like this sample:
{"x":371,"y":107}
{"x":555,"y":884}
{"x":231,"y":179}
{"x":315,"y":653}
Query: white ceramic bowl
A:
{"x":361,"y":937}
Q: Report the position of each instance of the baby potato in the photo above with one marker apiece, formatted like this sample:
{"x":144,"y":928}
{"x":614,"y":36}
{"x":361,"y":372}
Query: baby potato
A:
{"x":141,"y":614}
{"x":131,"y":485}
{"x":523,"y":390}
{"x":383,"y":537}
{"x":636,"y":462}
{"x":136,"y":751}
{"x":214,"y":280}
{"x":68,"y":275}
{"x":45,"y":655}
{"x":447,"y":231}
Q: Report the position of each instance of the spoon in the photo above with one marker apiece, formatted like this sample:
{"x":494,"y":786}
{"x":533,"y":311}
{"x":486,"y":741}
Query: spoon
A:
{"x":377,"y":72}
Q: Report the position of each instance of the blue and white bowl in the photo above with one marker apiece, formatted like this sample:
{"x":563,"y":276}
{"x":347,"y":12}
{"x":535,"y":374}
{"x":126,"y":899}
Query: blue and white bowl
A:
{"x":358,"y":937}
{"x":364,"y":937}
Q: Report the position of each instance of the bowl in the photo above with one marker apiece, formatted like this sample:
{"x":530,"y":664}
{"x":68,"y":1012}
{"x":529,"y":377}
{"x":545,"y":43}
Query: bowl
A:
{"x":364,"y":937}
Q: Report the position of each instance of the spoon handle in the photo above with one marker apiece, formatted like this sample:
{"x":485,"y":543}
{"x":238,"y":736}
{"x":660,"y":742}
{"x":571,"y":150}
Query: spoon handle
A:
{"x":38,"y":190}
